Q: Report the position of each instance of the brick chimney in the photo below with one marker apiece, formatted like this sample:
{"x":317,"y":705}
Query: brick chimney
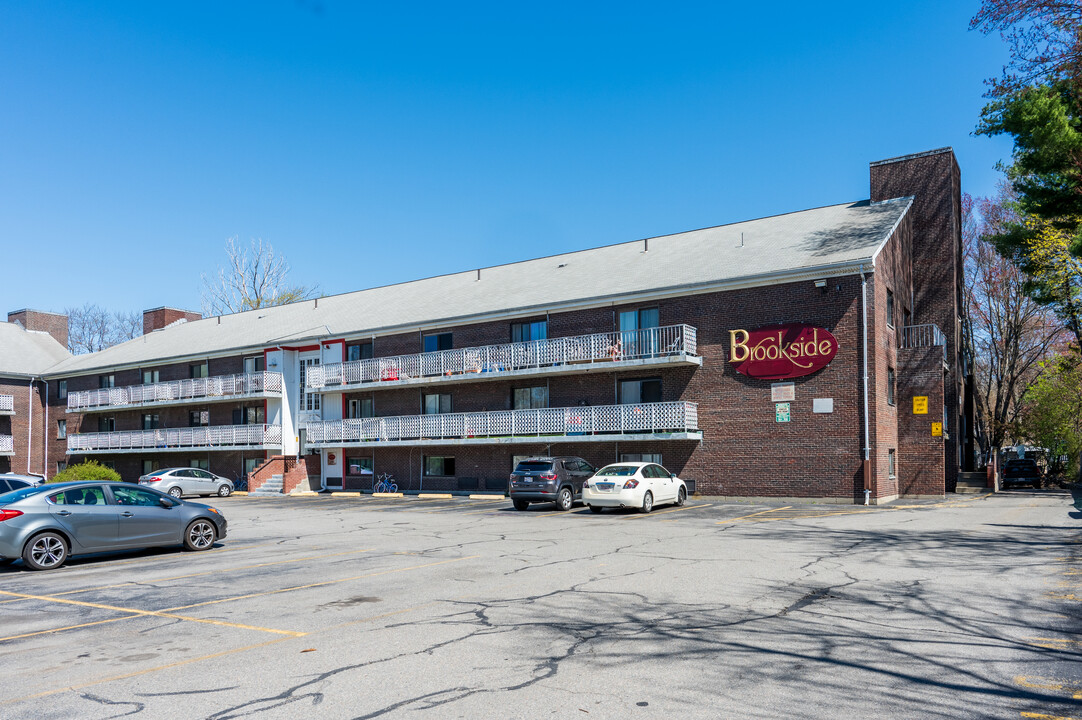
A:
{"x":157,"y":318}
{"x":55,"y":324}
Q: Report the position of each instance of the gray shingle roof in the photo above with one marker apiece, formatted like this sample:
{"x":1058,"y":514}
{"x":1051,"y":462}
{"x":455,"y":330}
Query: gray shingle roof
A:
{"x":772,"y":247}
{"x":23,"y":352}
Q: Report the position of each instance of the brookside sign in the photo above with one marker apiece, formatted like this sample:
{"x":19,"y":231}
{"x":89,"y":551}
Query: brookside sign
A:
{"x":778,"y":352}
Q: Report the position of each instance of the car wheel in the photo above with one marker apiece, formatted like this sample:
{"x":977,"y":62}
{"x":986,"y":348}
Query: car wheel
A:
{"x":175,"y":492}
{"x":565,"y":500}
{"x":681,"y":497}
{"x":200,"y":535}
{"x":647,"y":502}
{"x":45,"y":551}
{"x":595,"y":508}
{"x":520,"y":504}
{"x":224,"y":491}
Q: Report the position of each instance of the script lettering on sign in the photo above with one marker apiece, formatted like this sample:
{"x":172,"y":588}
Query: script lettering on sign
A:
{"x":778,"y":352}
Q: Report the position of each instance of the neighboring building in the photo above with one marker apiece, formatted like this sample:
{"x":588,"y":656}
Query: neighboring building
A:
{"x":630,"y":351}
{"x":32,"y":439}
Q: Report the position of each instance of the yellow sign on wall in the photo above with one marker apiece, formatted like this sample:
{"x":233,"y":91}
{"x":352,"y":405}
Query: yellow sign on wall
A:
{"x":937,"y":429}
{"x":920,"y":405}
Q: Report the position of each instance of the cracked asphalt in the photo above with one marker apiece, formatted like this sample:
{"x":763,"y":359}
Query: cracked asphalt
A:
{"x":362,"y":608}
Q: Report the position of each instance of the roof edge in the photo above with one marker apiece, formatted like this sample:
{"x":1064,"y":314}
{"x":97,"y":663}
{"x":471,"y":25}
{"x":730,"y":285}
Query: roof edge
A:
{"x":912,"y":156}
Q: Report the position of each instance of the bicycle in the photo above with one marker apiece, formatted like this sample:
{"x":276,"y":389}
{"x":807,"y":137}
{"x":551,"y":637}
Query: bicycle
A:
{"x":384,"y":484}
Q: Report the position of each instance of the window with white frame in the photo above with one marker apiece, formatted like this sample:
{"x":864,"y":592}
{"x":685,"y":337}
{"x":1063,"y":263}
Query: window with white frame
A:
{"x":310,"y":401}
{"x":62,"y":389}
{"x":253,"y":364}
{"x":435,"y":403}
{"x":61,"y":429}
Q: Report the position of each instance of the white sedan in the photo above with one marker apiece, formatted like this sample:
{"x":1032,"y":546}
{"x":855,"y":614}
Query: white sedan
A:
{"x":633,"y":484}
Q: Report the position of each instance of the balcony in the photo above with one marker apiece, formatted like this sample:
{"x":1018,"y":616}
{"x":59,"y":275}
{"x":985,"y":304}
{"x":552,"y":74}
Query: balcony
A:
{"x":220,"y":437}
{"x":918,"y":336}
{"x":670,"y":345}
{"x":221,"y":388}
{"x":7,"y":404}
{"x":648,"y":421}
{"x":7,"y":445}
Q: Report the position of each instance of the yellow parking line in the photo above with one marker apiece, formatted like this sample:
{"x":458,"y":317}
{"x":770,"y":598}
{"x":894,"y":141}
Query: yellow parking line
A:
{"x":1025,"y":681}
{"x":672,"y":510}
{"x":134,"y":612}
{"x":321,"y":584}
{"x":145,"y":671}
{"x":199,"y":574}
{"x":1043,"y":716}
{"x":745,"y":517}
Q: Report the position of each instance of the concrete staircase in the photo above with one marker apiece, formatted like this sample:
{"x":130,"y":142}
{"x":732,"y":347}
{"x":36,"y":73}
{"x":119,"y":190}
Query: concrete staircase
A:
{"x":970,"y":483}
{"x":272,"y":486}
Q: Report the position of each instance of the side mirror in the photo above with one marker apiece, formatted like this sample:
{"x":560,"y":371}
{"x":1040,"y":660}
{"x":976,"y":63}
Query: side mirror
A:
{"x":166,"y":503}
{"x":672,"y":476}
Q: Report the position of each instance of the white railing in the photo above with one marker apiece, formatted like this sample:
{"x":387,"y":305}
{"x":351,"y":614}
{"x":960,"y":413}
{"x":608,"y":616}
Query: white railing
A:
{"x":928,"y":335}
{"x":7,"y":403}
{"x":224,"y":386}
{"x":671,"y":340}
{"x":7,"y":444}
{"x":227,"y":436}
{"x":605,"y":420}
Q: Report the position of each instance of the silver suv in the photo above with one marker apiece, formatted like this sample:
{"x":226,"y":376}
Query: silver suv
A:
{"x":549,"y":479}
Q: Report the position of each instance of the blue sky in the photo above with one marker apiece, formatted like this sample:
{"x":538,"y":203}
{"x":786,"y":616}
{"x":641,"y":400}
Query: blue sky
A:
{"x":377,"y":143}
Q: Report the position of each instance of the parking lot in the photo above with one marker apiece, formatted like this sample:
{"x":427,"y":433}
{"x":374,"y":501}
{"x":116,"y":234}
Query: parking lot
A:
{"x":338,"y":607}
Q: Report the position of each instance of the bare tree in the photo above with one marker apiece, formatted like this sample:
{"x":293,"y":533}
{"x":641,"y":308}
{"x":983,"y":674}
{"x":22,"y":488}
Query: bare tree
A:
{"x":251,"y":279}
{"x":92,"y":328}
{"x":1007,"y":332}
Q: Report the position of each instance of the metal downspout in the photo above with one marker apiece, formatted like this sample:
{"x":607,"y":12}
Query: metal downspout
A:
{"x":30,"y":420}
{"x":864,"y":328}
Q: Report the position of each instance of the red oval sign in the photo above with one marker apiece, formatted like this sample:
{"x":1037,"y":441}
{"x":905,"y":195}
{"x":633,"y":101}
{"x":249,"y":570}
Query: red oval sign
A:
{"x":778,"y":352}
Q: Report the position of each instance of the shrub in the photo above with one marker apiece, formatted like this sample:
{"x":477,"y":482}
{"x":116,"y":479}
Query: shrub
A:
{"x":86,"y":471}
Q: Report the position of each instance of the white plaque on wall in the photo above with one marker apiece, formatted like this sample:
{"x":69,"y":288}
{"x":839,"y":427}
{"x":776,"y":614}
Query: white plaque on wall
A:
{"x":823,"y":405}
{"x":782,"y":392}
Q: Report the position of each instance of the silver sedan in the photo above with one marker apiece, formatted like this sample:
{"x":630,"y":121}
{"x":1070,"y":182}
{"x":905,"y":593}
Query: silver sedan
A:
{"x":45,"y":525}
{"x":187,"y":481}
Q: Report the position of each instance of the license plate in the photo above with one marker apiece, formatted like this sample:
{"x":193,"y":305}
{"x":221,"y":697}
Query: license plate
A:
{"x":605,"y":486}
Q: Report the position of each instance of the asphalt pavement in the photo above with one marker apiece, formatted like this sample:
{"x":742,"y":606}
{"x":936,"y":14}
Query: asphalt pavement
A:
{"x":339,"y":607}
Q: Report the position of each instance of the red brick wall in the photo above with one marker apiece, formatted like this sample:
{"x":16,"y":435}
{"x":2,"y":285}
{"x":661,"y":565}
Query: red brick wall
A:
{"x":921,"y":458}
{"x":158,"y":318}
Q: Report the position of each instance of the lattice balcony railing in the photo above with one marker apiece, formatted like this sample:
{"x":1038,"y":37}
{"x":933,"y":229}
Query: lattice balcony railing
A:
{"x":222,"y":386}
{"x":668,"y":341}
{"x":7,"y":444}
{"x":220,"y":436}
{"x":603,"y":420}
{"x":7,"y":404}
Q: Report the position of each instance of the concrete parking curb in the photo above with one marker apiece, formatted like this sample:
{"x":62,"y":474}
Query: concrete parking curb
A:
{"x":486,"y":497}
{"x":239,"y":492}
{"x":387,"y":495}
{"x":304,"y":493}
{"x":435,"y":496}
{"x":346,"y":494}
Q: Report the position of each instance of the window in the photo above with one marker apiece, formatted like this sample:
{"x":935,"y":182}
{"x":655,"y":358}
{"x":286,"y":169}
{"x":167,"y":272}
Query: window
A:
{"x":151,"y":376}
{"x":439,"y":465}
{"x":198,"y":418}
{"x":150,"y":422}
{"x":136,"y":496}
{"x":641,"y":457}
{"x":890,"y":386}
{"x":359,"y":466}
{"x":61,"y":429}
{"x":891,"y":463}
{"x":633,"y":341}
{"x":200,"y":370}
{"x":362,"y":351}
{"x":310,"y":402}
{"x":249,"y":415}
{"x":106,"y":381}
{"x":150,"y":466}
{"x":106,"y":424}
{"x":253,"y":364}
{"x":527,"y":331}
{"x":201,"y":463}
{"x":639,"y":319}
{"x":62,"y":389}
{"x":890,"y":308}
{"x":435,"y":403}
{"x":633,"y":392}
{"x":61,"y":466}
{"x":440,"y":341}
{"x":250,"y":464}
{"x":529,"y":398}
{"x":80,"y":496}
{"x":362,"y":408}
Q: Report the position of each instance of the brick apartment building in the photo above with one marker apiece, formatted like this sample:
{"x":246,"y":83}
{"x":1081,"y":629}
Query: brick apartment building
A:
{"x":812,"y":354}
{"x":32,"y":431}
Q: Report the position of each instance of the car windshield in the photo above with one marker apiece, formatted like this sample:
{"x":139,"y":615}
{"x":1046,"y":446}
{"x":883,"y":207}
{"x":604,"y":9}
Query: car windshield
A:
{"x":21,"y":494}
{"x":533,"y":467}
{"x":617,"y":470}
